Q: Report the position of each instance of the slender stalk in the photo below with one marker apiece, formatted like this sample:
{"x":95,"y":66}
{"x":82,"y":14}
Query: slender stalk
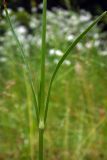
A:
{"x":41,"y":137}
{"x":43,"y":50}
{"x":41,"y":98}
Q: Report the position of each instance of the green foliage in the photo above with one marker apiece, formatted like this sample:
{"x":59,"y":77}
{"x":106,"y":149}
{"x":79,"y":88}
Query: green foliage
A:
{"x":77,"y":105}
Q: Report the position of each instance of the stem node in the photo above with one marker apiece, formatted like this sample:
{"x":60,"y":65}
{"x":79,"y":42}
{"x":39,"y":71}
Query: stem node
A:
{"x":41,"y":125}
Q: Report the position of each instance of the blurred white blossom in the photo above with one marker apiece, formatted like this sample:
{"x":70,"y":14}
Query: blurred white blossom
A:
{"x":103,"y":53}
{"x":3,"y":59}
{"x":21,"y":30}
{"x":85,"y":16}
{"x":97,"y":43}
{"x":20,"y":9}
{"x":70,"y":37}
{"x":9,"y":11}
{"x":80,"y":46}
{"x":67,"y":62}
{"x":55,"y":52}
{"x":59,"y":53}
{"x":96,"y":35}
{"x":40,"y":6}
{"x":89,"y":45}
{"x":52,"y":52}
{"x":34,"y":9}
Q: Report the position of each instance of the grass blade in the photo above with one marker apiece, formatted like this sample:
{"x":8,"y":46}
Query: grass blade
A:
{"x":73,"y":44}
{"x":24,"y":60}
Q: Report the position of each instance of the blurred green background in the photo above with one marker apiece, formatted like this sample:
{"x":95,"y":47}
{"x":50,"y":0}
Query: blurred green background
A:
{"x":76,"y":127}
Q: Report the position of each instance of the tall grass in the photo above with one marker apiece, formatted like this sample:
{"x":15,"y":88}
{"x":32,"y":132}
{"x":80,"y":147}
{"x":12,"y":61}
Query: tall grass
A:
{"x":41,"y":101}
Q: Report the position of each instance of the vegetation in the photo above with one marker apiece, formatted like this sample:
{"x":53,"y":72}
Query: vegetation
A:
{"x":77,"y":114}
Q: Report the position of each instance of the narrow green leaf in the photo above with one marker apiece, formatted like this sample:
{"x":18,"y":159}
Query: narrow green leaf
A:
{"x":25,"y":62}
{"x":73,"y":44}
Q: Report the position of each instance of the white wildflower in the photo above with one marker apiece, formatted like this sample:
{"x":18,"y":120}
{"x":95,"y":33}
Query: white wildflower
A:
{"x":59,"y":53}
{"x":3,"y":59}
{"x":97,"y":43}
{"x":80,"y":46}
{"x":21,"y":30}
{"x":67,"y":62}
{"x":75,"y":20}
{"x":9,"y":11}
{"x":52,"y":52}
{"x":55,"y":52}
{"x":85,"y":16}
{"x":41,"y":6}
{"x":74,"y":17}
{"x":103,"y":53}
{"x":32,"y":24}
{"x":88,"y":45}
{"x":70,"y":37}
{"x":20,"y":9}
{"x":96,"y":36}
{"x":34,"y":9}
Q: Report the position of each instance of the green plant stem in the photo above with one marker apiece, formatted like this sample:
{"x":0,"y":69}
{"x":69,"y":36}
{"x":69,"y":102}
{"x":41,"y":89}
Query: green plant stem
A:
{"x":41,"y":98}
{"x":41,"y":137}
{"x":43,"y":50}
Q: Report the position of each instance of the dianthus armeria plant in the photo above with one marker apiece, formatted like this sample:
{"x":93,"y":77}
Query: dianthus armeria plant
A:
{"x":41,"y":101}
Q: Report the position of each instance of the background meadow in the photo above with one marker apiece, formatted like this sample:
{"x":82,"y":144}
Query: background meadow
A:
{"x":77,"y":113}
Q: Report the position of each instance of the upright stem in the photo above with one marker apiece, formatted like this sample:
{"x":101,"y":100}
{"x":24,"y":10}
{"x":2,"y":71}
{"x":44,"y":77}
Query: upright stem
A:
{"x":43,"y":50}
{"x":41,"y":135}
{"x":41,"y":97}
